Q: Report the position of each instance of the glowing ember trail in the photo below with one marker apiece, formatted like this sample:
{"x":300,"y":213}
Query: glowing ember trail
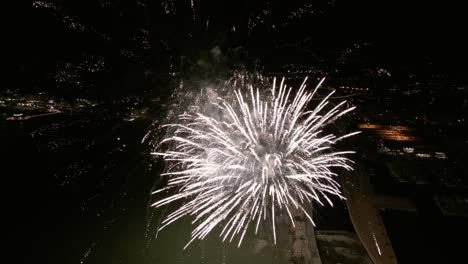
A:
{"x":253,"y":158}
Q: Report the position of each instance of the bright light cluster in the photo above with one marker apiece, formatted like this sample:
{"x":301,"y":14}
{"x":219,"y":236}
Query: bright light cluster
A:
{"x":251,"y":158}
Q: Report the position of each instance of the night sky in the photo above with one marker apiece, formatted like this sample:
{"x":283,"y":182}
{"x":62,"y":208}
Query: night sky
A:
{"x":417,"y":37}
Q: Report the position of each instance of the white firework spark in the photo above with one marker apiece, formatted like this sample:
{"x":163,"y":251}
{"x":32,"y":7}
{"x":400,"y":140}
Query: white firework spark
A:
{"x":252,"y":159}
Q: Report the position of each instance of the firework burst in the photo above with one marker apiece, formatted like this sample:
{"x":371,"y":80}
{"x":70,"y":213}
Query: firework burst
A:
{"x":250,"y":158}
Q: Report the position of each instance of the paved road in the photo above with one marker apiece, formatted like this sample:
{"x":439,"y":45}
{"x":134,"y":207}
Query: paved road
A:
{"x":363,"y":207}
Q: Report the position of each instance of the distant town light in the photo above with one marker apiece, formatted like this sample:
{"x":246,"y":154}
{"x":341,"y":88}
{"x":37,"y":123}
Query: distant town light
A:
{"x":394,"y":133}
{"x":441,"y":155}
{"x":408,"y":150}
{"x":423,"y":155}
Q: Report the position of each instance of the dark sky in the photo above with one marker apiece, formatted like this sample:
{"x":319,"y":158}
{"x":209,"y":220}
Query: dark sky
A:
{"x":402,"y":33}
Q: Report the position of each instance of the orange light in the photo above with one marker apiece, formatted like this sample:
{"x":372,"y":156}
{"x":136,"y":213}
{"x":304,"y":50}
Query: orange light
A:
{"x":395,"y":133}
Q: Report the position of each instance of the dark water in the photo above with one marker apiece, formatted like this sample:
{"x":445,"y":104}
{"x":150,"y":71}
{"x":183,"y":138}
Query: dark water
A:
{"x":424,"y":237}
{"x":74,"y":183}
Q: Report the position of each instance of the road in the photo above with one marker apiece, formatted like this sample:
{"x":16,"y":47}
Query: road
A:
{"x":363,"y":207}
